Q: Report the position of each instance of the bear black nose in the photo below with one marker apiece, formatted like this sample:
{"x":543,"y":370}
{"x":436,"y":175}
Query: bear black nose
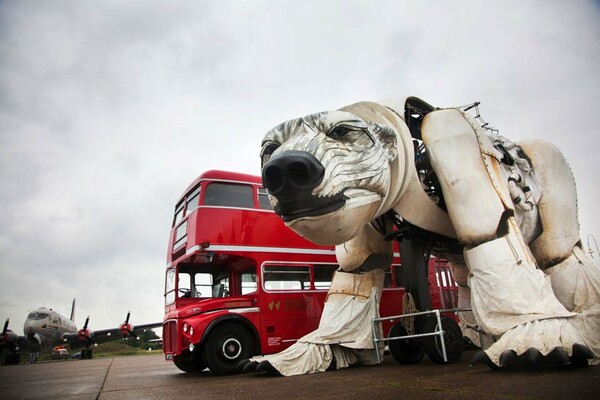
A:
{"x":293,"y":174}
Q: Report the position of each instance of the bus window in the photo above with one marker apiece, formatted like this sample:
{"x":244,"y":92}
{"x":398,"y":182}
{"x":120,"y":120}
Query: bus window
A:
{"x":220,"y":287}
{"x":263,"y":200}
{"x":202,"y":281}
{"x":248,"y":281}
{"x":224,"y":194}
{"x":184,"y":285}
{"x":387,"y":281}
{"x":323,"y":275}
{"x":178,"y":214}
{"x":180,"y":235}
{"x":286,"y":278}
{"x":170,"y":286}
{"x":444,"y":278}
{"x":399,"y":275}
{"x":192,"y":201}
{"x":203,"y":284}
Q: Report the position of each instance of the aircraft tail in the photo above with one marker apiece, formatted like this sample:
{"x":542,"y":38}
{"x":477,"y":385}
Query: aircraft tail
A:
{"x":73,"y":311}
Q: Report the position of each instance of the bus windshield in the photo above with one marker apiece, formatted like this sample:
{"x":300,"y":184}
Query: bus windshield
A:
{"x":170,"y":286}
{"x":202,"y":281}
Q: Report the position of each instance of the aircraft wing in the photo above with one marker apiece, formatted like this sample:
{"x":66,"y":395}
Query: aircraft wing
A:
{"x":76,"y":340}
{"x":19,"y":343}
{"x":86,"y":336}
{"x":72,"y":339}
{"x":139,"y":329}
{"x":107,"y":335}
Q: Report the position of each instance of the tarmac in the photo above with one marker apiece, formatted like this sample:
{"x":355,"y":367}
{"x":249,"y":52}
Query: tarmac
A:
{"x":150,"y":377}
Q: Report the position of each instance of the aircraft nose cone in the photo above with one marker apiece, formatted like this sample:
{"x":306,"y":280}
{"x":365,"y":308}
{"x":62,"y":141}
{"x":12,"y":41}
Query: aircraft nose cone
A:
{"x":28,"y":327}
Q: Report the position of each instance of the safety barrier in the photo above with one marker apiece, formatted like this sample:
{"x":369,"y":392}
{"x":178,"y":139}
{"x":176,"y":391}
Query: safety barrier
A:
{"x":437,"y":332}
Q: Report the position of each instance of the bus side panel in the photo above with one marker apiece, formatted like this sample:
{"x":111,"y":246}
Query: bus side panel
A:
{"x":287,"y":316}
{"x":243,"y":228}
{"x":390,"y":305}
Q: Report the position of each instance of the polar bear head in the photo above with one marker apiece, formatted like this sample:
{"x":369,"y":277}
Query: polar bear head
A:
{"x":328,"y":173}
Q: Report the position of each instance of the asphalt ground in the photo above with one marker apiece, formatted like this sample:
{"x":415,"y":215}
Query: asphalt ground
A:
{"x":150,"y":377}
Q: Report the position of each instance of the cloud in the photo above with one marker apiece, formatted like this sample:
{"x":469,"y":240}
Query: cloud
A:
{"x":109,"y":110}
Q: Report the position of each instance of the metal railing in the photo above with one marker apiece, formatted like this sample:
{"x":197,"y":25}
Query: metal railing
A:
{"x":438,"y":332}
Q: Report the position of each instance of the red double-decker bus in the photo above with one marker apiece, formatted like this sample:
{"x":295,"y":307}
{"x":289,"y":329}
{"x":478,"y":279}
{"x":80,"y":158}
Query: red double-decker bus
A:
{"x":240,"y":283}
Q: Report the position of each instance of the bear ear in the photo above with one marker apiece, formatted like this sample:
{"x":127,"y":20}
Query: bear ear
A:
{"x":387,"y":137}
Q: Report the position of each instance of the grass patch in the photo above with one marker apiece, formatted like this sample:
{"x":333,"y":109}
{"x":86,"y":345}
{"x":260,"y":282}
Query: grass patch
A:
{"x":435,"y":389}
{"x":110,"y":349}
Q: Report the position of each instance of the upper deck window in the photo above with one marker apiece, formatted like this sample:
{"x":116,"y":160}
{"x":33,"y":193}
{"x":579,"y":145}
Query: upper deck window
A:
{"x":229,"y":195}
{"x":178,"y":213}
{"x":180,"y":235}
{"x":192,"y":201}
{"x":263,"y":199}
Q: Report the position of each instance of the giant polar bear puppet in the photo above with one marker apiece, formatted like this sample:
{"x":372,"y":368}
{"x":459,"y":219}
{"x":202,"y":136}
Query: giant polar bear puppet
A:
{"x":511,"y":207}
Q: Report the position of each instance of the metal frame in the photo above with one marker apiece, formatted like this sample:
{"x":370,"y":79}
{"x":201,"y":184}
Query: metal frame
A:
{"x":439,"y":332}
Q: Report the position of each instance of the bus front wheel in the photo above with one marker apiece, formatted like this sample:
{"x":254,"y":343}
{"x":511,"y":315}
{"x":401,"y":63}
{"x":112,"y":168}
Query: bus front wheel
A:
{"x":226,"y":346}
{"x":189,"y":362}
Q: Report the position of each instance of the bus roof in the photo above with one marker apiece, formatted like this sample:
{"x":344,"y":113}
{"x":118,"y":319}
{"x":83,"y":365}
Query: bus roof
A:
{"x":219,"y":175}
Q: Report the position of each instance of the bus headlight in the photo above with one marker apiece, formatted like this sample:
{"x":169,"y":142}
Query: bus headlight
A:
{"x":191,"y":347}
{"x":188,"y":329}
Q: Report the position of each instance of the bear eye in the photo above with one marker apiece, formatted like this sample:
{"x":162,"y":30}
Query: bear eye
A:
{"x":349,"y":132}
{"x":339,"y":132}
{"x":266,"y":152}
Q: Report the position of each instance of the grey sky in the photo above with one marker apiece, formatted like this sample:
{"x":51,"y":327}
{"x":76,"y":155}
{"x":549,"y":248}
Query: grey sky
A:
{"x":109,"y":109}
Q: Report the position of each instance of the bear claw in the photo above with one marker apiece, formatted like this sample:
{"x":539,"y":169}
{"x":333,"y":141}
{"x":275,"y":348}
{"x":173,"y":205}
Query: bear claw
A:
{"x":532,"y":359}
{"x":266,"y":368}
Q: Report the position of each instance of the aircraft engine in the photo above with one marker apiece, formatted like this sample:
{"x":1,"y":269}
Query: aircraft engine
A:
{"x":8,"y":339}
{"x":126,"y":328}
{"x":84,"y":334}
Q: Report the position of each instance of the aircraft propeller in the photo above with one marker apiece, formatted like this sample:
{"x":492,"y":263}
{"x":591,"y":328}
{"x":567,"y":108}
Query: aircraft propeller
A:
{"x":5,"y":327}
{"x":8,"y":339}
{"x":4,"y":338}
{"x":126,"y":328}
{"x":84,"y":334}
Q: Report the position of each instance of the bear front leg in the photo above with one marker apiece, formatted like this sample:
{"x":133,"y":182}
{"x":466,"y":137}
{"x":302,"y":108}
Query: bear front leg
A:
{"x":513,"y":299}
{"x":344,"y":336}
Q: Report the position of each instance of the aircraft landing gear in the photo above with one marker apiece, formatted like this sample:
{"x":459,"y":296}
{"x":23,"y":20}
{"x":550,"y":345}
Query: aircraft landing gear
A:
{"x":87,"y":354}
{"x":12,"y":358}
